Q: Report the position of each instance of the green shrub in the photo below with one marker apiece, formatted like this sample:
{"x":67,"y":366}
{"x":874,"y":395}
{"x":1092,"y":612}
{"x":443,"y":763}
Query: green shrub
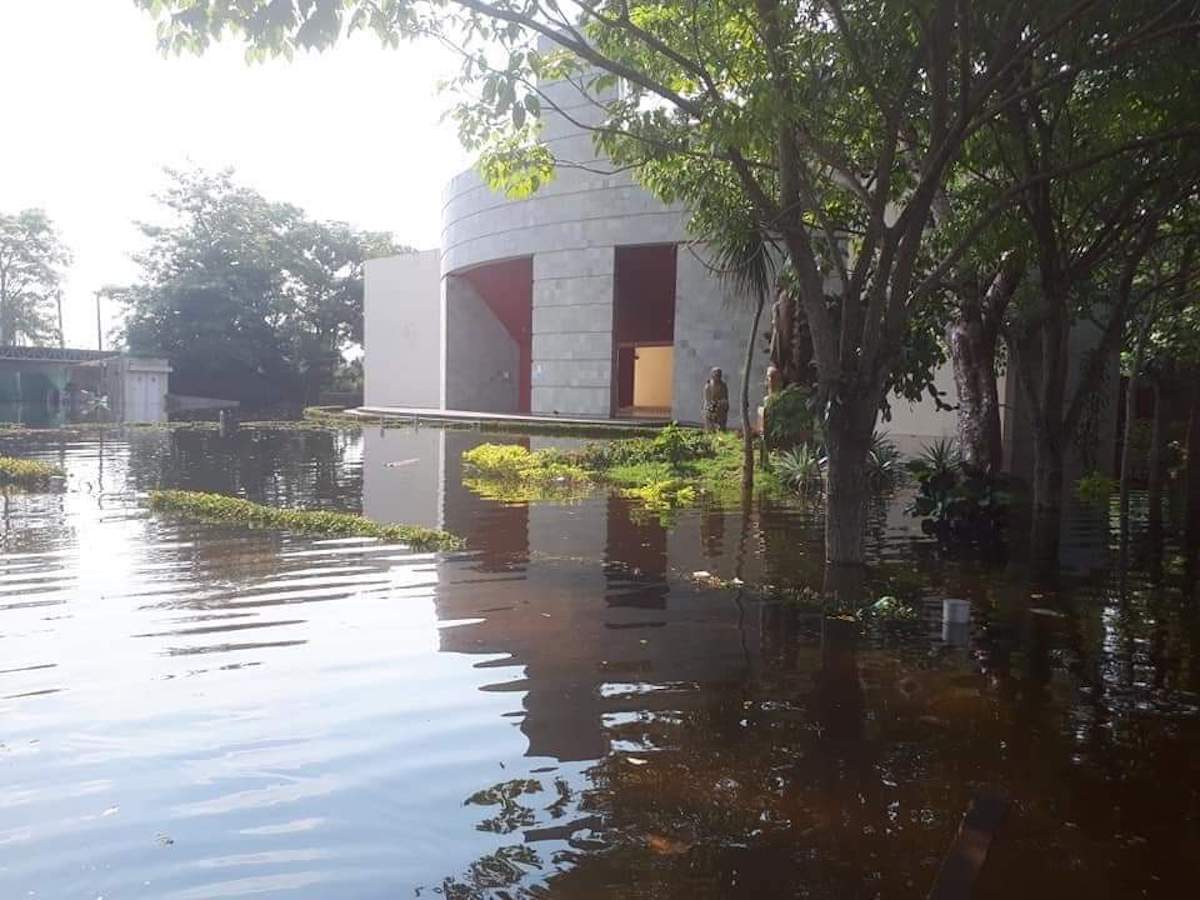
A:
{"x":885,"y":462}
{"x":673,"y":445}
{"x":889,"y":609}
{"x":958,"y":504}
{"x":1095,"y":487}
{"x":802,"y":468}
{"x":516,"y":463}
{"x":220,"y":508}
{"x":29,"y":474}
{"x":789,"y":418}
{"x":667,"y":494}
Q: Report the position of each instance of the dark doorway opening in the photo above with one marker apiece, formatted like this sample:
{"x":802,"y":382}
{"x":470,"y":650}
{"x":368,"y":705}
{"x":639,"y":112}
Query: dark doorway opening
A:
{"x":507,"y":290}
{"x":643,"y":330}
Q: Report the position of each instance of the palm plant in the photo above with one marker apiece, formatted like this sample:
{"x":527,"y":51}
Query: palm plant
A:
{"x":884,"y":462}
{"x":940,"y":458}
{"x":802,"y":468}
{"x":742,"y":255}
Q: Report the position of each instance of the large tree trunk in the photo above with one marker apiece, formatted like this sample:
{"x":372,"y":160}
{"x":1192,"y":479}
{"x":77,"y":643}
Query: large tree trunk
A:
{"x":1192,"y":473}
{"x":1047,"y":399}
{"x":1155,"y":466}
{"x":847,"y":440}
{"x":974,"y":360}
{"x":972,"y":337}
{"x":747,"y":423}
{"x":1048,"y":478}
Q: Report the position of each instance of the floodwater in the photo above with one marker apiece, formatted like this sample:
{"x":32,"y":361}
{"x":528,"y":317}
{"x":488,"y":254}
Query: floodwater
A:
{"x":198,"y":711}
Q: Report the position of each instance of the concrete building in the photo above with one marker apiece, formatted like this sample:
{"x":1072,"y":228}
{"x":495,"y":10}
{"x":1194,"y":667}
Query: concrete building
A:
{"x":586,"y":299}
{"x":50,"y":385}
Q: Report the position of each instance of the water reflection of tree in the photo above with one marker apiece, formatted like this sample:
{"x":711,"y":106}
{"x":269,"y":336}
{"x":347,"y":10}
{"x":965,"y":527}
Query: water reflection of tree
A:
{"x":843,"y":765}
{"x":635,"y":557}
{"x":283,"y":468}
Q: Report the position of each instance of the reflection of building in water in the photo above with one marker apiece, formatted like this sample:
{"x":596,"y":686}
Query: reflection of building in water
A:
{"x":590,"y":600}
{"x":584,"y":659}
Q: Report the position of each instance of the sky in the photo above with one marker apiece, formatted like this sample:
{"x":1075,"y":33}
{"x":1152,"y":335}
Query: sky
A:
{"x":92,"y":112}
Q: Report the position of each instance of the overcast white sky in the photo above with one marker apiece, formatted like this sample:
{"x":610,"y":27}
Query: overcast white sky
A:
{"x":92,"y":112}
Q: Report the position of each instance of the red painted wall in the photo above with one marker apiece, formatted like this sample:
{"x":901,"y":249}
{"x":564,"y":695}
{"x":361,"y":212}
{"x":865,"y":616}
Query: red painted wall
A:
{"x":644,"y":293}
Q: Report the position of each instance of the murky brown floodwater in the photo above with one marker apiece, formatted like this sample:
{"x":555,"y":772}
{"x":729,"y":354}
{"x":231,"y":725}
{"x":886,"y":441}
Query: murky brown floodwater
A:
{"x":193,"y":711}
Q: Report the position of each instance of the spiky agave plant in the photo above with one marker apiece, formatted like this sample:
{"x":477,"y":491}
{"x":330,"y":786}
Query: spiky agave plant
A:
{"x":801,"y":468}
{"x":885,"y":466}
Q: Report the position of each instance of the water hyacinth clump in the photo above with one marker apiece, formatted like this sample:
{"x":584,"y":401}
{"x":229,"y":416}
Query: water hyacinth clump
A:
{"x":514,"y":462}
{"x":28,"y":474}
{"x":670,"y":470}
{"x":220,"y":508}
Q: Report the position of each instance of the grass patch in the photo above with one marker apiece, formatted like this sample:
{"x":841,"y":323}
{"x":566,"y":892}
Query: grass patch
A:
{"x":674,"y":468}
{"x":28,"y":474}
{"x":220,"y":508}
{"x":1096,"y":488}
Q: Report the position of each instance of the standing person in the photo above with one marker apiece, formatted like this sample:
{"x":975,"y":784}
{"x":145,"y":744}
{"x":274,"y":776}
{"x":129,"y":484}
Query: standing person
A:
{"x":716,"y":402}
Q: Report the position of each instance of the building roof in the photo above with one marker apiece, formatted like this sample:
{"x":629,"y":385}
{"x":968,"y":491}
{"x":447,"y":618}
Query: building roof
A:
{"x":56,"y":354}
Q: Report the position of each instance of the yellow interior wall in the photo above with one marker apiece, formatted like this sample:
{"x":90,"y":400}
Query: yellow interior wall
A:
{"x":653,"y":368}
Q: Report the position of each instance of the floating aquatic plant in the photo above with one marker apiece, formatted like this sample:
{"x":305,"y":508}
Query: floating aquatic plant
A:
{"x":28,"y":474}
{"x":220,"y":508}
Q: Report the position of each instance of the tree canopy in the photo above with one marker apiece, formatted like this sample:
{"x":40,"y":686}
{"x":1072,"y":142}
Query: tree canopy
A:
{"x":842,"y":129}
{"x":32,"y":259}
{"x":249,"y":298}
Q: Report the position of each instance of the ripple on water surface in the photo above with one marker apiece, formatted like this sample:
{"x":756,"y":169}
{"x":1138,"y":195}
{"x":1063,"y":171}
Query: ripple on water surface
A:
{"x":195,"y":711}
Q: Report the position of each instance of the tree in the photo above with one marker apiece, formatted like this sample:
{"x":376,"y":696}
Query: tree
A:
{"x":32,"y":257}
{"x":834,"y":121}
{"x":972,"y":337}
{"x":326,"y":295}
{"x":747,"y":262}
{"x":248,"y":298}
{"x":1169,"y":341}
{"x":1107,"y":153}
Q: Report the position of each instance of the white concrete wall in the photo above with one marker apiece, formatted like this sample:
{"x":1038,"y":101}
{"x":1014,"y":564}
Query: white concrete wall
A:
{"x":402,"y":361}
{"x":914,"y":425}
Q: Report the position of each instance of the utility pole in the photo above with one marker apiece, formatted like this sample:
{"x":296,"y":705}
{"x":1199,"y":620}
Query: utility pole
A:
{"x":99,"y":332}
{"x":62,"y":341}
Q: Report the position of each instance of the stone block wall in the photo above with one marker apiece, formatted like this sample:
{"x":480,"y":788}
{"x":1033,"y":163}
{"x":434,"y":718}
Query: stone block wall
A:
{"x":712,"y":325}
{"x":481,"y":357}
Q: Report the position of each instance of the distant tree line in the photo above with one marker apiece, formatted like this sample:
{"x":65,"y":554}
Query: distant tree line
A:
{"x":32,"y":260}
{"x":250,"y":299}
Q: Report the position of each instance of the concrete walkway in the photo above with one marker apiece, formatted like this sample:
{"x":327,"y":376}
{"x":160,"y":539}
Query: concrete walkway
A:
{"x":516,"y":420}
